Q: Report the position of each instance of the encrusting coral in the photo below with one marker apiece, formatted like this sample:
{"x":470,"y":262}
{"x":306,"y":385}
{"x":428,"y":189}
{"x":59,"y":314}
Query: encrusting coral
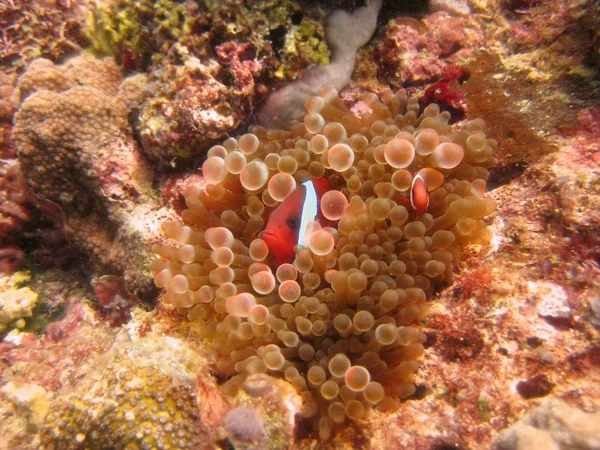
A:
{"x":336,"y":322}
{"x":144,"y":394}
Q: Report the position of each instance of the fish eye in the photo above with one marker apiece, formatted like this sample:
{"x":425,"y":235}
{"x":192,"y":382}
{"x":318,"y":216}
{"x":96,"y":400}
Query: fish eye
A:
{"x":292,"y":222}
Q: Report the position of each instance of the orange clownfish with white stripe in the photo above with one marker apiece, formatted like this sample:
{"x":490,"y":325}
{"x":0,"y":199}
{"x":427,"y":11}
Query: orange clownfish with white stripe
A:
{"x":419,"y":196}
{"x":288,"y":222}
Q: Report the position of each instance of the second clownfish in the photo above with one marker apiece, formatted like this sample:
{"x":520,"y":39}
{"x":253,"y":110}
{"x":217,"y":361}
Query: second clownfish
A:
{"x":418,"y":199}
{"x":287,"y":224}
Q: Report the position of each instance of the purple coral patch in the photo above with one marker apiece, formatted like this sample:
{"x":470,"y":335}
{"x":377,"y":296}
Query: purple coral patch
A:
{"x":245,"y":423}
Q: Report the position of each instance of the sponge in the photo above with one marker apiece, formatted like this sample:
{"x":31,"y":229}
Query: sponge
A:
{"x":345,"y":34}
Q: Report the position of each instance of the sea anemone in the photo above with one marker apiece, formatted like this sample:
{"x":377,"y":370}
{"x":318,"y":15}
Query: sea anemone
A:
{"x":336,"y":321}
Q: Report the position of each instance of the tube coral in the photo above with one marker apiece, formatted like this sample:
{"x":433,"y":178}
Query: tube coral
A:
{"x":336,"y":321}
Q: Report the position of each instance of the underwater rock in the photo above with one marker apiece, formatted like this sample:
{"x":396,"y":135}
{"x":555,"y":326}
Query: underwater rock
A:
{"x":552,"y":425}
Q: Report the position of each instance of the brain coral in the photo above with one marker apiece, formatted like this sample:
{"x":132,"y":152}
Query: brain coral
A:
{"x":336,"y":323}
{"x":76,"y":149}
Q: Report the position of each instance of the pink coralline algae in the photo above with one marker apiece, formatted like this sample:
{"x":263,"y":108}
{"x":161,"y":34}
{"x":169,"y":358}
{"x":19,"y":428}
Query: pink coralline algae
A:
{"x":446,"y":93}
{"x":199,"y":102}
{"x":412,"y":52}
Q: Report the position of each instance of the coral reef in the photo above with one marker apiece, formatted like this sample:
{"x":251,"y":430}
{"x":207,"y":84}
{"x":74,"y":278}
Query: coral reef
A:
{"x":415,"y":52}
{"x":336,"y":322}
{"x":77,"y":151}
{"x":211,"y":61}
{"x":510,"y":346}
{"x":45,"y":28}
{"x":144,"y":394}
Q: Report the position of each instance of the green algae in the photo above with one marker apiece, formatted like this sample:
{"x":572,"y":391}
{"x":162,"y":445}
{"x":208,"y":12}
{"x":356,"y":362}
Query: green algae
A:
{"x":305,"y":41}
{"x":125,"y":29}
{"x":140,"y":33}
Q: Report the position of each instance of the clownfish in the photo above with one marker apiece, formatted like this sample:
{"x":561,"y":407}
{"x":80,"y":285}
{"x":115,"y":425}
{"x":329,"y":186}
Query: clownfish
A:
{"x":419,"y":197}
{"x":287,"y":223}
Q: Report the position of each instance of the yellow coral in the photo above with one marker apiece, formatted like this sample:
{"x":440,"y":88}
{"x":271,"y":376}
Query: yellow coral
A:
{"x":16,"y":302}
{"x":146,"y":394}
